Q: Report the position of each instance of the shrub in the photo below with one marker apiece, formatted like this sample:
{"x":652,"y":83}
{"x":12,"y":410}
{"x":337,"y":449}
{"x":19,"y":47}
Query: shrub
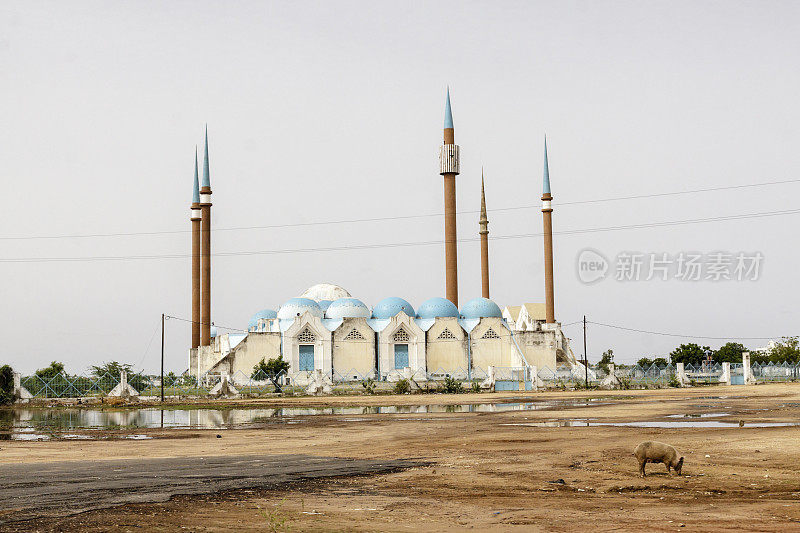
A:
{"x":452,"y":386}
{"x":402,"y":387}
{"x":476,"y":386}
{"x":6,"y":385}
{"x":673,"y":381}
{"x":369,"y":386}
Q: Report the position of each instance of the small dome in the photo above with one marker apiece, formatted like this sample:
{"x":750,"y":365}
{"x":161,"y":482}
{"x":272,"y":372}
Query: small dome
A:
{"x":347,"y":308}
{"x":325,"y":291}
{"x":264,"y":313}
{"x":213,"y":332}
{"x":324,"y":304}
{"x":436,"y":308}
{"x":295,"y":307}
{"x":389,"y":307}
{"x":481,"y":308}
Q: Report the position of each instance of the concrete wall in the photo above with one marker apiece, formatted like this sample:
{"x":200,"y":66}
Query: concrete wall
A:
{"x":447,"y":355}
{"x":539,"y":347}
{"x":488,"y":351}
{"x":354,"y":350}
{"x":249,"y":352}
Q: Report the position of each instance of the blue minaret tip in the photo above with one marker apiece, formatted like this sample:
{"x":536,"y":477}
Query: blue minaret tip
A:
{"x":546,"y":178}
{"x":206,"y":173}
{"x":196,"y":184}
{"x":448,"y":113}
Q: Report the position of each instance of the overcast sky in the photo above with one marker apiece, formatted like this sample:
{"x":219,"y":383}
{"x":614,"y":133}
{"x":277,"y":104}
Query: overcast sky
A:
{"x":328,"y":111}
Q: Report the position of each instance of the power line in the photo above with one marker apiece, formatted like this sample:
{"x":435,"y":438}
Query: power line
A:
{"x":400,"y":217}
{"x":170,"y":317}
{"x":404,"y":244}
{"x":679,"y":335}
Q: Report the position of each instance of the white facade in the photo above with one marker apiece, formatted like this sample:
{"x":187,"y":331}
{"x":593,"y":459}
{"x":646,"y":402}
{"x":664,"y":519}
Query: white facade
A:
{"x":346,"y":341}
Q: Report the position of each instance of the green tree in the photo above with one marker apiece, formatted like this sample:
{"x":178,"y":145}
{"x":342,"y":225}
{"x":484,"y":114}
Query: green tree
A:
{"x":111,"y":374}
{"x":272,"y":370}
{"x":6,"y":385}
{"x":606,"y":359}
{"x":660,"y":362}
{"x":688,"y":354}
{"x":48,"y":373}
{"x":730,"y":352}
{"x":785,"y":351}
{"x":645,"y":362}
{"x":50,"y":381}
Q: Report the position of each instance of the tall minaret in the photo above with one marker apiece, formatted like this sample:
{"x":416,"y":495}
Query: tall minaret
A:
{"x":484,"y":233}
{"x":195,"y":218}
{"x":205,"y":252}
{"x":449,"y":168}
{"x":547,"y":215}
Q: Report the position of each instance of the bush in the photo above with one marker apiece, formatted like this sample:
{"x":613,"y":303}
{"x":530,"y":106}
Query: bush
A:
{"x":402,"y":387}
{"x":476,"y":386}
{"x":452,"y":386}
{"x":369,"y":386}
{"x":673,"y":381}
{"x":6,"y":385}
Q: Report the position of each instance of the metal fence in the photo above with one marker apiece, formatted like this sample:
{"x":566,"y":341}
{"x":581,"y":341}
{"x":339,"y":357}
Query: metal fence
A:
{"x":354,"y":381}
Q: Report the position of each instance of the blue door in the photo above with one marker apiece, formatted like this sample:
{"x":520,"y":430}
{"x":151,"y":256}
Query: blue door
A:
{"x":307,"y":357}
{"x":400,"y":355}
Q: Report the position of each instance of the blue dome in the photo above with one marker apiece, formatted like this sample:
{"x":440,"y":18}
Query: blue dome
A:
{"x":347,"y":308}
{"x":297,"y":306}
{"x":324,"y":304}
{"x":436,"y":308}
{"x":389,"y":307}
{"x":213,"y":332}
{"x":264,"y":313}
{"x":481,"y":308}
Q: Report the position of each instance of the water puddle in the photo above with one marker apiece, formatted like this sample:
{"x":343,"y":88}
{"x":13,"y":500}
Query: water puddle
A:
{"x":695,"y":424}
{"x":654,"y":424}
{"x":57,"y":422}
{"x":698,"y":415}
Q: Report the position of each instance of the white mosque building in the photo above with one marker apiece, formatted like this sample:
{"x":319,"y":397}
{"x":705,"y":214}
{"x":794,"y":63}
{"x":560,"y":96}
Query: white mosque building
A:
{"x":327,"y":330}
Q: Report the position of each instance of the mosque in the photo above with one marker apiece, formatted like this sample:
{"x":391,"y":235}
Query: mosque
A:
{"x":326,"y":331}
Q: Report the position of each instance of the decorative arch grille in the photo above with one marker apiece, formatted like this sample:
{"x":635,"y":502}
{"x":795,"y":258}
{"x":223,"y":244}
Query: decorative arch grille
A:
{"x":354,"y":335}
{"x":306,"y":336}
{"x":446,"y":334}
{"x":490,"y":334}
{"x":401,"y":336}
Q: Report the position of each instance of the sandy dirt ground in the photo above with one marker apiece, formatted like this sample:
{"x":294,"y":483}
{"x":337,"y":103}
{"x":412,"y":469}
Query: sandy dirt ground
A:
{"x":488,"y":471}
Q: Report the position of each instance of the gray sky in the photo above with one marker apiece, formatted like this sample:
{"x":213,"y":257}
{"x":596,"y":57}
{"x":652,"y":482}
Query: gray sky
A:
{"x":333,"y":110}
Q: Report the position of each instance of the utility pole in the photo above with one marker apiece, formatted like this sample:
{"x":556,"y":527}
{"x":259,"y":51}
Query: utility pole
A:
{"x":162,"y":357}
{"x":585,"y":358}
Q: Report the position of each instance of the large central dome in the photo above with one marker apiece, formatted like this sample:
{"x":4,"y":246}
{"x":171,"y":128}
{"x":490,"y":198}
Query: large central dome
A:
{"x":325,"y":291}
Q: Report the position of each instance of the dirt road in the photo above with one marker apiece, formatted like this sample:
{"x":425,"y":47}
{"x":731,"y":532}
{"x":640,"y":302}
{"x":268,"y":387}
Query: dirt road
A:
{"x":488,"y":471}
{"x":36,"y":490}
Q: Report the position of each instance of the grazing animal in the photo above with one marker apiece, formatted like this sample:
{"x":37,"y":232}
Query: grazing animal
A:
{"x":658,"y":452}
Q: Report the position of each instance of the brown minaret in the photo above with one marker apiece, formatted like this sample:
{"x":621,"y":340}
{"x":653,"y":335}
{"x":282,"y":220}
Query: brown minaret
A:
{"x":195,"y":218}
{"x":547,"y":215}
{"x":205,"y":252}
{"x":484,"y":233}
{"x":449,"y":168}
